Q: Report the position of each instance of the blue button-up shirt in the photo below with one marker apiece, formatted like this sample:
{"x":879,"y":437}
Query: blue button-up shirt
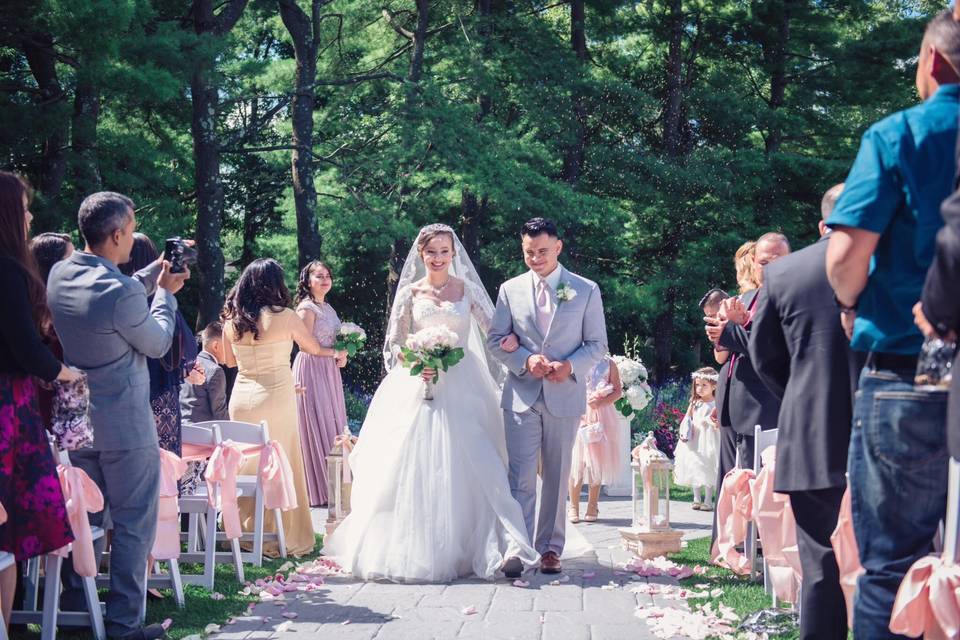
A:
{"x":903,"y":171}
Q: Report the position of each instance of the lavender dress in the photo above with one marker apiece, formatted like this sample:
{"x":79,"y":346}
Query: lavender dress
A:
{"x":321,"y":411}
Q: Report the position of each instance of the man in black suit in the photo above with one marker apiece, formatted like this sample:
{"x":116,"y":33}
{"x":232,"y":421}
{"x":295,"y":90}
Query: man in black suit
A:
{"x":746,"y":401}
{"x":799,"y":350}
{"x":207,"y":400}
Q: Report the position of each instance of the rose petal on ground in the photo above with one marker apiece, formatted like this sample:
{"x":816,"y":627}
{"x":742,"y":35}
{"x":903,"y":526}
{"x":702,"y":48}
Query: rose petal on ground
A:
{"x":469,"y":611}
{"x":344,"y":623}
{"x":284,"y":626}
{"x":211,"y":628}
{"x":217,"y":596}
{"x":167,"y":623}
{"x":521,"y":583}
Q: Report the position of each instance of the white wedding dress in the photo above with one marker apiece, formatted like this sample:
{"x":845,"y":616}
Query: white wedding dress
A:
{"x":430,"y":499}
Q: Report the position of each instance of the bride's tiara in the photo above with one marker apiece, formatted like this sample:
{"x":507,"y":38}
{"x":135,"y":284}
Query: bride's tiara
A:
{"x":708,"y":376}
{"x":435,"y":228}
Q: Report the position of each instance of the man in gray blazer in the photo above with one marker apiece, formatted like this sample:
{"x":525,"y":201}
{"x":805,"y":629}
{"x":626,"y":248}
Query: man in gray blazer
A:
{"x":207,"y":401}
{"x":108,"y":330}
{"x":558,"y":318}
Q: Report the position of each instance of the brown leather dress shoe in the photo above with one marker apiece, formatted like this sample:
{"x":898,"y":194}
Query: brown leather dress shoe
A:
{"x":550,"y":563}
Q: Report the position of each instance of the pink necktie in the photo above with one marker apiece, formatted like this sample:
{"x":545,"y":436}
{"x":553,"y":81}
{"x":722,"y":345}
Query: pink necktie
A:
{"x":544,"y":312}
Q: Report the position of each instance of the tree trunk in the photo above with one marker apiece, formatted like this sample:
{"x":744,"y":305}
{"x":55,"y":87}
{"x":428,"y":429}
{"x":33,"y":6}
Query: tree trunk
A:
{"x":663,"y":337}
{"x":206,"y":156}
{"x":776,"y":55}
{"x":673,"y":98}
{"x":86,"y":113}
{"x":38,"y":48}
{"x":302,"y":32}
{"x":575,"y":154}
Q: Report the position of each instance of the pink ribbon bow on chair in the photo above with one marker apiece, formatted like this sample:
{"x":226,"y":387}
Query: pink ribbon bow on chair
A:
{"x":845,"y":549}
{"x":345,"y":441}
{"x":82,"y":497}
{"x":928,"y":602}
{"x":222,"y":470}
{"x":734,"y":511}
{"x":777,"y":529}
{"x":276,"y":477}
{"x":166,"y":544}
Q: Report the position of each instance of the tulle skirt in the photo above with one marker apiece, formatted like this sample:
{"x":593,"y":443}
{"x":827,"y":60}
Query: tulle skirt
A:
{"x":430,"y":499}
{"x":695,"y":462}
{"x":599,"y":462}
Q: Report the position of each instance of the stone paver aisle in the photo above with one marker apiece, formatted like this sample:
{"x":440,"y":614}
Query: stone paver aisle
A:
{"x":578,"y":608}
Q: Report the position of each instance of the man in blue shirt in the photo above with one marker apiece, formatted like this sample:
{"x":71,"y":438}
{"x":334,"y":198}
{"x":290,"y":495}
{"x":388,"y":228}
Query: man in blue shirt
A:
{"x":885,"y":225}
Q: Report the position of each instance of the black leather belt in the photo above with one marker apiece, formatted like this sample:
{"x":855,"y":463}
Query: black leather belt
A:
{"x":891,"y":361}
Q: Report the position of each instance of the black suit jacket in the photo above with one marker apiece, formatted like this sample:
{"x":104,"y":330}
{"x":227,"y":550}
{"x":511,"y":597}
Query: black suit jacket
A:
{"x":207,"y":401}
{"x":747,"y":402}
{"x":799,"y":350}
{"x":941,"y":302}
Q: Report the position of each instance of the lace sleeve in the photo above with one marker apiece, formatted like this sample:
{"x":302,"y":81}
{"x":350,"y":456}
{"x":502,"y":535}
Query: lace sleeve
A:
{"x":401,"y":322}
{"x":481,"y":308}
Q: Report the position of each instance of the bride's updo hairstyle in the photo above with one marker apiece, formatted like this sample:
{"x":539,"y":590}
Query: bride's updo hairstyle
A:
{"x":260,"y":286}
{"x":433,"y":231}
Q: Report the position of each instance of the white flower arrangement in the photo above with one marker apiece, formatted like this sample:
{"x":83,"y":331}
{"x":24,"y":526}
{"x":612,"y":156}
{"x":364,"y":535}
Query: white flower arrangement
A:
{"x":639,"y":396}
{"x":565,"y":292}
{"x":350,"y":338}
{"x":631,"y":370}
{"x":432,"y":338}
{"x":636,"y":392}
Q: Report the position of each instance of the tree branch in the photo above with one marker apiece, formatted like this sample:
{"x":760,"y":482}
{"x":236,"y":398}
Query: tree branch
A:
{"x":228,"y":17}
{"x":391,"y":20}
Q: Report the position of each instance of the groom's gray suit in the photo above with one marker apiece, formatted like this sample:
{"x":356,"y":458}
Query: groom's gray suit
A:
{"x":541,"y":417}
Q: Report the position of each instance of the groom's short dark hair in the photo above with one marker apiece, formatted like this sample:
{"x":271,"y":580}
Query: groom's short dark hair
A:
{"x":539,"y":226}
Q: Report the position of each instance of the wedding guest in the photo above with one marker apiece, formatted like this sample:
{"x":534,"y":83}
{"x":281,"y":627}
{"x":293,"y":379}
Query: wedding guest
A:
{"x":49,"y":249}
{"x":259,"y":330}
{"x":321,"y":408}
{"x":883,"y":239}
{"x":746,"y":400}
{"x":697,"y":456}
{"x":598,"y":448}
{"x":743,"y":261}
{"x":801,"y":353}
{"x":29,"y":487}
{"x":108,"y":330}
{"x":167,"y":373}
{"x":204,"y":399}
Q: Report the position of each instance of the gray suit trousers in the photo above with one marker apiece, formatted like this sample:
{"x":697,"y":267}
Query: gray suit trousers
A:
{"x":533,"y":435}
{"x":130,"y":482}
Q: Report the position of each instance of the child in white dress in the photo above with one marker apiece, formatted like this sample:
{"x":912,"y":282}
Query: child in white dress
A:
{"x":698,"y":452}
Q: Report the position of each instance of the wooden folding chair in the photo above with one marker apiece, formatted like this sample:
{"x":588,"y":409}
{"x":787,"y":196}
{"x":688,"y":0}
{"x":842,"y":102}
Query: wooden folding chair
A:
{"x":255,"y":434}
{"x":50,"y":617}
{"x":198,"y":505}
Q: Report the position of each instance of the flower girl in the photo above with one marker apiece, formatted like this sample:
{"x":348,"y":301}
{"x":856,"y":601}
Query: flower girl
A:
{"x":598,"y":449}
{"x":698,"y":451}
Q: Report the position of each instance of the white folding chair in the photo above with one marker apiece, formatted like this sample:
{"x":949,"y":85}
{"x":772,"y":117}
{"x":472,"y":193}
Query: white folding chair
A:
{"x":50,"y":617}
{"x":257,"y":434}
{"x":951,"y":532}
{"x":197,"y":505}
{"x":761,"y":440}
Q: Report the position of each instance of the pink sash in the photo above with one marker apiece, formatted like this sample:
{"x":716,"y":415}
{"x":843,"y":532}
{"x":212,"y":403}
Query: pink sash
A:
{"x":848,"y":556}
{"x":222,"y":470}
{"x":928,"y":602}
{"x":345,"y":441}
{"x":734,"y":510}
{"x":777,"y":529}
{"x":82,"y":497}
{"x":166,"y":544}
{"x":277,"y":478}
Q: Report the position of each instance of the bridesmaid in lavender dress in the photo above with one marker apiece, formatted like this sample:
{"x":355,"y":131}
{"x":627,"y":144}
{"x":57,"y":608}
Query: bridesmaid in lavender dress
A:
{"x":321,"y":410}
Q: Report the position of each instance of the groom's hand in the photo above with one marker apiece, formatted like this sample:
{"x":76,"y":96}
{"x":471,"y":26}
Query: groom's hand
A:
{"x":559,"y":371}
{"x":538,"y":365}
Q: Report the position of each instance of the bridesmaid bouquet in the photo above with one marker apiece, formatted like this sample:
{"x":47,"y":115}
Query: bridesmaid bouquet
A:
{"x":636,"y":391}
{"x":350,"y":338}
{"x":431,"y":348}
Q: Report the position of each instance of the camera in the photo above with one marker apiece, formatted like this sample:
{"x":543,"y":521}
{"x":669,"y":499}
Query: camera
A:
{"x":178,"y":254}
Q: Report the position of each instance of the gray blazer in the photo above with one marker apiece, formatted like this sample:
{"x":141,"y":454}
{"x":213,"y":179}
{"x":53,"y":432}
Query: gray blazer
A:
{"x":207,"y":401}
{"x":577,"y":333}
{"x":108,"y":329}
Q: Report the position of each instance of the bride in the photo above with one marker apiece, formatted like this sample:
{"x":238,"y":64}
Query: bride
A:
{"x":430,"y":499}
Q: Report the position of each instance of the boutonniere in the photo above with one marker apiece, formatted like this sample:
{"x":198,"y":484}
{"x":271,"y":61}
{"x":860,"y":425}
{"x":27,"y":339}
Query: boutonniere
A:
{"x":565,"y":293}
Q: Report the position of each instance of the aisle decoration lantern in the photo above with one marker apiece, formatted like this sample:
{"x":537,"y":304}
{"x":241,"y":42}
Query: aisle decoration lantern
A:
{"x":650,"y":534}
{"x":339,"y":479}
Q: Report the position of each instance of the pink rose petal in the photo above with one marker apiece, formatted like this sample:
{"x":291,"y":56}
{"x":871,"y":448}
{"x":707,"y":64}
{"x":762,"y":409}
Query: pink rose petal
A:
{"x":469,"y":611}
{"x":521,"y":583}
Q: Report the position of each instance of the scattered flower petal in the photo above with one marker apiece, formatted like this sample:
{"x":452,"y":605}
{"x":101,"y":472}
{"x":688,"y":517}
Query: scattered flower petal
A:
{"x":521,"y":583}
{"x":469,"y":611}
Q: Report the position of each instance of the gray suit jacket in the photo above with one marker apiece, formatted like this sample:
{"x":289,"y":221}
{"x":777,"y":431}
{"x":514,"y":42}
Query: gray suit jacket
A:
{"x":108,"y":329}
{"x":207,"y":401}
{"x":577,"y":333}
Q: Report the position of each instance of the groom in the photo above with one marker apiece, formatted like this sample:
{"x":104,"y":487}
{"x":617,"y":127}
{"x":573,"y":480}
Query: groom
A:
{"x":558,"y":318}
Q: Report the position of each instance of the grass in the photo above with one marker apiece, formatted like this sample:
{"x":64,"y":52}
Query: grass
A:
{"x":740,"y":594}
{"x":200,"y":609}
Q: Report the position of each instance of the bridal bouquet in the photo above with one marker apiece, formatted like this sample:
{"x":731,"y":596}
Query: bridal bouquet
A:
{"x":431,"y":348}
{"x":636,"y":391}
{"x":350,"y":338}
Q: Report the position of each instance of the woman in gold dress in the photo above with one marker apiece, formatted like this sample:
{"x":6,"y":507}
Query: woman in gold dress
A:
{"x":259,"y":330}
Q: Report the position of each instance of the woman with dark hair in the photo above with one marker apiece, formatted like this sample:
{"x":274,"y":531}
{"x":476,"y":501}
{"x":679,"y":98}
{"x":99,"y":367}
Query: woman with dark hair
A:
{"x":29,"y":488}
{"x":259,"y":329}
{"x":166,"y":373}
{"x":321,"y":409}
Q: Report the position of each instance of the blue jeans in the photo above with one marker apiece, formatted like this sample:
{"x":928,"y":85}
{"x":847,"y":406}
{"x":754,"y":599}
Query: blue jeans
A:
{"x":898,"y":487}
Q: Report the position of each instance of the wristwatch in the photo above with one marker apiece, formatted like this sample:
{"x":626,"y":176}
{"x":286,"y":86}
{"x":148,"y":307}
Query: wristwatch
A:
{"x":844,"y":309}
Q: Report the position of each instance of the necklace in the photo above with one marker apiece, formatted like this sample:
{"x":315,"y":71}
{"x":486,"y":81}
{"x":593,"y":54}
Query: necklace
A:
{"x":438,"y":290}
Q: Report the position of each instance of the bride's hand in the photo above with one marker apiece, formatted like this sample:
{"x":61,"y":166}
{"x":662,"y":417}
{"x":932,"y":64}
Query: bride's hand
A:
{"x":428,"y":374}
{"x":510,"y":343}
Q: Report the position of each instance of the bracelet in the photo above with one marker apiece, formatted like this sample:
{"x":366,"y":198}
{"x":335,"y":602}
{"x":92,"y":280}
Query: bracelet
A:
{"x":844,"y":309}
